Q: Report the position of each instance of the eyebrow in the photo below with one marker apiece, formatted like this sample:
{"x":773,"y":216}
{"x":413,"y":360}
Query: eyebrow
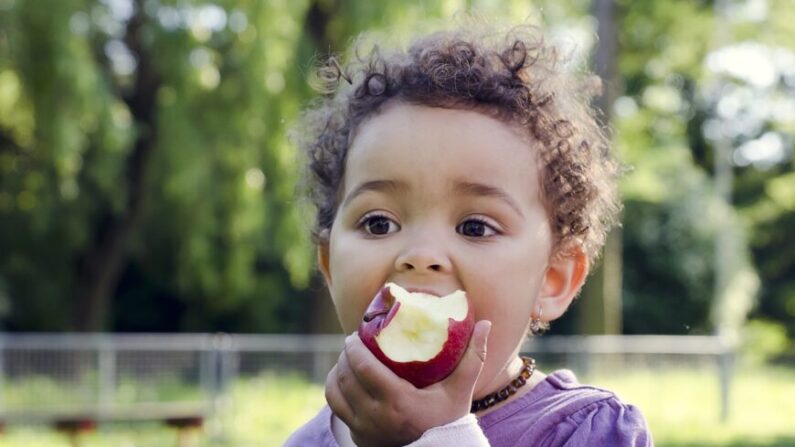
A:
{"x":483,"y":190}
{"x":377,"y":186}
{"x":460,"y":187}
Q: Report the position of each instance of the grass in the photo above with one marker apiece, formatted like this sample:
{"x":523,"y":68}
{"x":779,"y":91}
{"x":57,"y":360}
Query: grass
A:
{"x":682,"y":408}
{"x":269,"y":408}
{"x":42,"y":391}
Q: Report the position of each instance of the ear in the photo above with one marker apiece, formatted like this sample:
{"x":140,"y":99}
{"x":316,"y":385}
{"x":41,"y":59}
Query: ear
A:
{"x":323,"y":257}
{"x":563,"y":279}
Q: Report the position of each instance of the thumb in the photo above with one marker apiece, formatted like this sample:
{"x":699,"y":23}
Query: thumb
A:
{"x":468,"y":370}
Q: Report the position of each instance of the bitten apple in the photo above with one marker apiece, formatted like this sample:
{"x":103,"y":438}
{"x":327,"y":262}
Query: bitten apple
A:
{"x":419,"y":336}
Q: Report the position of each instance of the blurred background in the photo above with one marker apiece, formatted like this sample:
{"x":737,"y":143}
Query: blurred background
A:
{"x":148,"y":188}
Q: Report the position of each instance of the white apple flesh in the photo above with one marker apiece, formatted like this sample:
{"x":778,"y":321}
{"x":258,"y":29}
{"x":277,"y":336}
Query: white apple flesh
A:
{"x":419,"y":336}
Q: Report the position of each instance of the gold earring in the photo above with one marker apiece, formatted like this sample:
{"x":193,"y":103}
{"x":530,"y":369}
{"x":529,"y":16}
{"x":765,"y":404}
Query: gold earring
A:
{"x":536,"y":325}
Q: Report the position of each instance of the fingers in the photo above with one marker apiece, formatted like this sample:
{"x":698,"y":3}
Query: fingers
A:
{"x":336,"y":398}
{"x":372,"y":375}
{"x":356,"y":381}
{"x":350,"y":385}
{"x":468,"y":371}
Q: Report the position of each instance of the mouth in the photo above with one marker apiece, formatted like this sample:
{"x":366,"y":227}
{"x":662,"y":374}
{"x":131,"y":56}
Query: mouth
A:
{"x":425,"y":291}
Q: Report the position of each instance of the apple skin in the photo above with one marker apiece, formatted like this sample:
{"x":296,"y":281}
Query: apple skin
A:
{"x":421,"y":374}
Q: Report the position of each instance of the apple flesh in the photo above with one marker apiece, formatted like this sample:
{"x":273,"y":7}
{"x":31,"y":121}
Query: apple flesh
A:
{"x":419,"y":336}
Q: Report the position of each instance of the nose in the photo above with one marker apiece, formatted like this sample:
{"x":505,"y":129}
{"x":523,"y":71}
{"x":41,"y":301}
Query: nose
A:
{"x":422,"y":257}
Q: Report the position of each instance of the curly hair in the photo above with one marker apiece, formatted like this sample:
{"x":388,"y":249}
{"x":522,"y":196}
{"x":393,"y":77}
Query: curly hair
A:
{"x":515,"y":77}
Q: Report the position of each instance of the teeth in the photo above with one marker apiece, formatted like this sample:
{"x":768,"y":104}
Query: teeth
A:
{"x":396,"y":289}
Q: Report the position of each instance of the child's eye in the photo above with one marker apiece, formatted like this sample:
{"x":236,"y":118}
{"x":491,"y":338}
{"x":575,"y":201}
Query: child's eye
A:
{"x":475,"y":227}
{"x":378,"y":224}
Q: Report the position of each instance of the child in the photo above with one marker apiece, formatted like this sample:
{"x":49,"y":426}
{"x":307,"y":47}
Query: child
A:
{"x":471,"y":161}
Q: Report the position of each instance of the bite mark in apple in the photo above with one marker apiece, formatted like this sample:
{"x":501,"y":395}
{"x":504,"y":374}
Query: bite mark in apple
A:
{"x":419,"y":336}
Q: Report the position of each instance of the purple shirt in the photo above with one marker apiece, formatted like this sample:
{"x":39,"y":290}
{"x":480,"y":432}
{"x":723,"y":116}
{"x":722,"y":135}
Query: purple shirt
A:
{"x":557,"y":412}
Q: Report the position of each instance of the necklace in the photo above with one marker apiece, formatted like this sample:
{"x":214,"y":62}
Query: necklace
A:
{"x":509,"y":390}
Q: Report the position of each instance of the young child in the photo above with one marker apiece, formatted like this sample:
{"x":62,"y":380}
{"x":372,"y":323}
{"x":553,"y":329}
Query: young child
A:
{"x":470,"y":161}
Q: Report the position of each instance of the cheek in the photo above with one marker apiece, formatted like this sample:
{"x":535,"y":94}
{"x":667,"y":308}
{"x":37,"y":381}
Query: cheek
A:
{"x":507,"y":299}
{"x":512,"y":282}
{"x":355,"y":277}
{"x":509,"y":308}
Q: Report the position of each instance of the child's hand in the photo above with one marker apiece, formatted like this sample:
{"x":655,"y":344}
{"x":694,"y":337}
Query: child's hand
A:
{"x":381,"y":409}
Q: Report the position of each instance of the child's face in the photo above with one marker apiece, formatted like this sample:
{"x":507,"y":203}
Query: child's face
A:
{"x":439,"y":200}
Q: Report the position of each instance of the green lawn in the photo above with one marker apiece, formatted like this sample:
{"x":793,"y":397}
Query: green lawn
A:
{"x":682,"y":409}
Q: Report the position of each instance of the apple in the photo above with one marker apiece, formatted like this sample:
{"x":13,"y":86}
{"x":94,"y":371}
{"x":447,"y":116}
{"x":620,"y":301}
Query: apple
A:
{"x":419,"y":336}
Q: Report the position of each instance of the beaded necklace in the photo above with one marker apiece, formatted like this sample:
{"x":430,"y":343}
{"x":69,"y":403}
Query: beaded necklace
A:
{"x":509,"y":390}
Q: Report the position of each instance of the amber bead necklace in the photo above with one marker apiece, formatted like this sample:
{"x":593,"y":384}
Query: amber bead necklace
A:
{"x":507,"y":391}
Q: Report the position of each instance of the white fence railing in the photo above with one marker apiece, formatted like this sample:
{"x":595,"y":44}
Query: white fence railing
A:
{"x":182,"y":377}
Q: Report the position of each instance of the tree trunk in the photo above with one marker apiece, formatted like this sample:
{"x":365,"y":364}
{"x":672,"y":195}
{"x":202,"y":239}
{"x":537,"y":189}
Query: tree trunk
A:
{"x":100,"y":266}
{"x":318,"y":16}
{"x":601,"y":311}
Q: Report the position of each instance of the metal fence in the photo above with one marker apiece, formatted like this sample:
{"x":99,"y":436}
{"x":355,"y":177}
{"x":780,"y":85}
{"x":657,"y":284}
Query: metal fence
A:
{"x":52,"y":378}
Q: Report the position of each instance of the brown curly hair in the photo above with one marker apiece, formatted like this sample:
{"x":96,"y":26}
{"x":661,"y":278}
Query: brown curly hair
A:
{"x":515,"y":77}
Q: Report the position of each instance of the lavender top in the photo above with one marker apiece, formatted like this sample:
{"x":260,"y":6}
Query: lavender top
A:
{"x":557,"y":412}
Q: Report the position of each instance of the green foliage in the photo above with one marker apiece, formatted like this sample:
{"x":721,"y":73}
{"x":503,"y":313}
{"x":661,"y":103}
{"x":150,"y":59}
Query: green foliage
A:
{"x":774,"y":250}
{"x":55,"y":100}
{"x":229,"y":238}
{"x":670,"y":124}
{"x":217,"y":237}
{"x":220,"y":230}
{"x":162,"y":125}
{"x":672,"y":269}
{"x":763,"y":341}
{"x":672,"y":220}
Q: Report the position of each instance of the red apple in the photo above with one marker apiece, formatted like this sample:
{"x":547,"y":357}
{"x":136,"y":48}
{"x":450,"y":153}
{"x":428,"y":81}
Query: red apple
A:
{"x":419,"y":336}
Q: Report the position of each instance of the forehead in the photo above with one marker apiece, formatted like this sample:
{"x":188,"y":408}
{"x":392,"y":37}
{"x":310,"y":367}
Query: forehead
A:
{"x":429,"y":145}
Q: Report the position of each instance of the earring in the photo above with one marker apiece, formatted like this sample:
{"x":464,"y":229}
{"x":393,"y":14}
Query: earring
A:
{"x":536,"y":324}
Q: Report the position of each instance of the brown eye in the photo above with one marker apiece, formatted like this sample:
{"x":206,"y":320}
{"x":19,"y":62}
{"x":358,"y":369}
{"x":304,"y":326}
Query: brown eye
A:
{"x":475,"y":228}
{"x":378,"y":225}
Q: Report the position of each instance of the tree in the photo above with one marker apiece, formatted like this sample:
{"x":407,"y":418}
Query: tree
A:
{"x":667,"y":86}
{"x":146,"y":143}
{"x":147,"y":183}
